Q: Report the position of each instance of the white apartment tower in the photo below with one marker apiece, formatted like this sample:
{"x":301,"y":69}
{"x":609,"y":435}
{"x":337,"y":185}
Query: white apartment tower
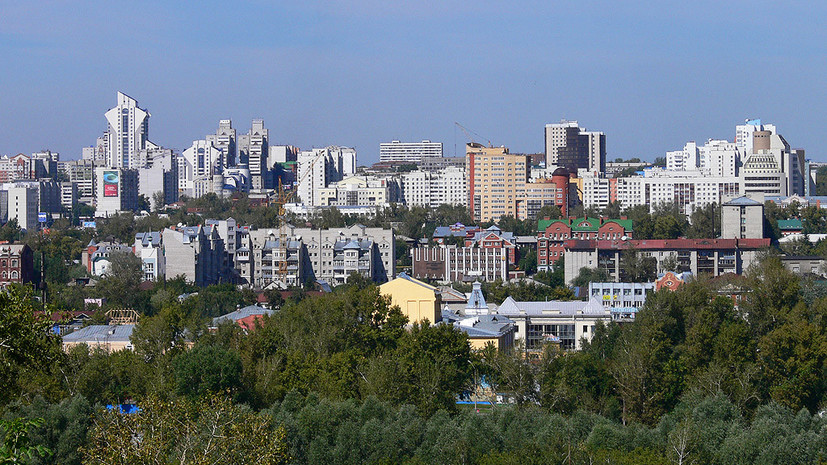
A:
{"x":253,"y":150}
{"x":409,"y":152}
{"x":128,"y":132}
{"x":224,"y":139}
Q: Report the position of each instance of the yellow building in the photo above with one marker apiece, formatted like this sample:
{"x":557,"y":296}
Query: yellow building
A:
{"x":417,"y":300}
{"x":496,"y":181}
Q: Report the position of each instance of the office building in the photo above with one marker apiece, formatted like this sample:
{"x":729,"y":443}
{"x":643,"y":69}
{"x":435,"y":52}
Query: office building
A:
{"x":409,"y":152}
{"x":709,"y":256}
{"x":116,"y":191}
{"x":572,"y":147}
{"x":201,"y":160}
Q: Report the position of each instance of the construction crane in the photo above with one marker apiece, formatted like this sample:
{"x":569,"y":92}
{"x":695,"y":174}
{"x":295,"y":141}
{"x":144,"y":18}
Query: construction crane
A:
{"x":468,"y":133}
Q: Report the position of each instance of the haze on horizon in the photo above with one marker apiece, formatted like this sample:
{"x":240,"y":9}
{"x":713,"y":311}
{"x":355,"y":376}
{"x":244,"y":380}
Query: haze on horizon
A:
{"x":321,"y":73}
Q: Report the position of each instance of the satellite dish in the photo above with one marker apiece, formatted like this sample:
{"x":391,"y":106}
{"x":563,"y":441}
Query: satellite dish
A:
{"x":624,"y":238}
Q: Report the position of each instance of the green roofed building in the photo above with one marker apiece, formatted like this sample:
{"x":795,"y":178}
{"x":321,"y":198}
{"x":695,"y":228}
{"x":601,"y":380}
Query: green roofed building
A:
{"x":552,"y":233}
{"x":788,"y":227}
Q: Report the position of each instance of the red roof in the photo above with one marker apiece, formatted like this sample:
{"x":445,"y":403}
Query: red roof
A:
{"x":668,"y":244}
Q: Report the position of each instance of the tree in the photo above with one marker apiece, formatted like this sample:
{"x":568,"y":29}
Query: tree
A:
{"x":211,"y":430}
{"x":10,"y":232}
{"x":207,"y":369}
{"x":158,"y":201}
{"x":144,"y":204}
{"x":120,"y":283}
{"x":25,"y":339}
{"x":17,"y":446}
{"x":589,"y":275}
{"x":637,"y":268}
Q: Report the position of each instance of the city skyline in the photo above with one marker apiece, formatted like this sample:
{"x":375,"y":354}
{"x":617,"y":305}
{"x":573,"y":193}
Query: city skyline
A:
{"x":329,"y":73}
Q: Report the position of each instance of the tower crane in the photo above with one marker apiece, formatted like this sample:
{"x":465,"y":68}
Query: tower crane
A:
{"x":468,"y":133}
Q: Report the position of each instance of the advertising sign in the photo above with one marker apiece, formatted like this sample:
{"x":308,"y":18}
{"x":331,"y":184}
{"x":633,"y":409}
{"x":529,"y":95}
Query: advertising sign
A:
{"x":110,"y":183}
{"x":89,"y":224}
{"x":41,"y":217}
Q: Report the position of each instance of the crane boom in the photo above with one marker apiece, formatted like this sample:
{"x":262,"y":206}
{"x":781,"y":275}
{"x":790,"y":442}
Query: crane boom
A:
{"x":468,"y":133}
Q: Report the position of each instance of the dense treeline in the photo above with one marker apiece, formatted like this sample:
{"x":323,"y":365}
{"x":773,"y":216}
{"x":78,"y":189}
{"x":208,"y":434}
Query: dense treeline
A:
{"x":349,"y":383}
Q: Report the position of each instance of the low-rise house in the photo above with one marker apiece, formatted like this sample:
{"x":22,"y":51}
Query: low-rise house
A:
{"x":245,"y":317}
{"x":457,"y":230}
{"x":790,"y":227}
{"x":805,"y":264}
{"x":671,"y":280}
{"x":417,"y":300}
{"x":96,"y":256}
{"x":109,"y":338}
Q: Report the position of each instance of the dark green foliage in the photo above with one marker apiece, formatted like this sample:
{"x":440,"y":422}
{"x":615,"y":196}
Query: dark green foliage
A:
{"x":207,"y":369}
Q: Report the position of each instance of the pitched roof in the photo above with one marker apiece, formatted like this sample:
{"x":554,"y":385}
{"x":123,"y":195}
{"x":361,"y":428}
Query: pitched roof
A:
{"x":584,"y":224}
{"x":790,"y":224}
{"x":101,"y":333}
{"x":551,"y":308}
{"x":743,"y":201}
{"x":242,"y":313}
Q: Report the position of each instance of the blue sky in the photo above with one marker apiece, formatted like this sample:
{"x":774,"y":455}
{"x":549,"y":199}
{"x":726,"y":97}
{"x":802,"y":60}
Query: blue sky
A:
{"x":650,"y":75}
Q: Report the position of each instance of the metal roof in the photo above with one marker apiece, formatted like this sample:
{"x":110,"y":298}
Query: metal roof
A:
{"x":101,"y":333}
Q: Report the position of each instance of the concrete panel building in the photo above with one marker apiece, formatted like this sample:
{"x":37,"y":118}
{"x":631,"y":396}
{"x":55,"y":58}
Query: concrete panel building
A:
{"x":409,"y":152}
{"x":742,"y":218}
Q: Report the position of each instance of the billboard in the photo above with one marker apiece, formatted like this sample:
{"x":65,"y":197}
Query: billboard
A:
{"x":89,"y":224}
{"x":110,"y":183}
{"x":42,"y":217}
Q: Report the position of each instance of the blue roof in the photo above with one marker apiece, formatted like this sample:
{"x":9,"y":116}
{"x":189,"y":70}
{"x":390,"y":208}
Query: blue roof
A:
{"x":743,"y":201}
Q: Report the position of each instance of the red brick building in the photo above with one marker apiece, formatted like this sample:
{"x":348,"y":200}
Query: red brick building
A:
{"x":552,"y":233}
{"x":16,"y":264}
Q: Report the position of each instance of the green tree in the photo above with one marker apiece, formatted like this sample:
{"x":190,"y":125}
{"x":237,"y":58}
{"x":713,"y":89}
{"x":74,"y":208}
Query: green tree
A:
{"x":25,"y":340}
{"x":207,"y":369}
{"x":589,"y":275}
{"x":17,"y":446}
{"x":212,"y":430}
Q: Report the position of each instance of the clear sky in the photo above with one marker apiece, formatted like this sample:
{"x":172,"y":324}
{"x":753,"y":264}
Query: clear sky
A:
{"x":651,"y":75}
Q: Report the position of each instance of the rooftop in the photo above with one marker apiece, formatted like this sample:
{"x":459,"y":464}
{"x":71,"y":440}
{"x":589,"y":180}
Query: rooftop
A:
{"x":101,"y":333}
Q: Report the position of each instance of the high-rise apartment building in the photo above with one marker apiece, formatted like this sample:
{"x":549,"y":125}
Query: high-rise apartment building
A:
{"x":128,"y":132}
{"x":496,"y":180}
{"x":253,"y":150}
{"x":318,"y":168}
{"x":224,"y":140}
{"x":572,"y":147}
{"x":431,"y":189}
{"x":409,"y":152}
